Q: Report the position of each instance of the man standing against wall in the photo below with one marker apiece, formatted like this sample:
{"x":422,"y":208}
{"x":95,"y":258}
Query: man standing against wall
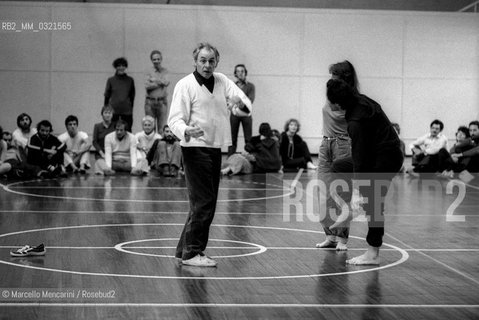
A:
{"x":247,"y":122}
{"x":156,"y":83}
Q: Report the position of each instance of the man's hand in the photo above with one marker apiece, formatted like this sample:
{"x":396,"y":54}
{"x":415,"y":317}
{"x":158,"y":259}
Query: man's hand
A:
{"x":193,"y":132}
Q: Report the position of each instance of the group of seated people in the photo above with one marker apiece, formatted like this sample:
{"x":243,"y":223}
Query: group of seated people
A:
{"x":31,"y":152}
{"x":271,"y":151}
{"x":35,"y":152}
{"x":431,"y":155}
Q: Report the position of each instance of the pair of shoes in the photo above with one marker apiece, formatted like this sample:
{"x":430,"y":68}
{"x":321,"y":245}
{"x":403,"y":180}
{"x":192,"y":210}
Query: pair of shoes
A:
{"x":27,"y":251}
{"x":82,"y":171}
{"x":200,"y":261}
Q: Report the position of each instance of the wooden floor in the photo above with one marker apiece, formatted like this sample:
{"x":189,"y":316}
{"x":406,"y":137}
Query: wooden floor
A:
{"x":110,"y":243}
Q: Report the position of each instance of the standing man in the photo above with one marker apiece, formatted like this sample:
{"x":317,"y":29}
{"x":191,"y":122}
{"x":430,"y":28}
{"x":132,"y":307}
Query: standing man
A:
{"x":376,"y":157}
{"x":120,"y":93}
{"x":247,"y":122}
{"x":199,"y":116}
{"x":156,"y":84}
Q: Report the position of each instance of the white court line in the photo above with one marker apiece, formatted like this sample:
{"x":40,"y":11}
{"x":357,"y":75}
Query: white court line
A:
{"x":136,"y":188}
{"x":296,"y":179}
{"x":242,"y":305}
{"x":404,"y":255}
{"x":216,"y":213}
{"x":437,"y":261}
{"x":243,"y":248}
{"x":8,"y":188}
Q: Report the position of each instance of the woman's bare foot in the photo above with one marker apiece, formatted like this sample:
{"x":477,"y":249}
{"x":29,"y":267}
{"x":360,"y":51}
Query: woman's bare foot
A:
{"x":370,"y":257}
{"x":342,"y":244}
{"x":327,"y":244}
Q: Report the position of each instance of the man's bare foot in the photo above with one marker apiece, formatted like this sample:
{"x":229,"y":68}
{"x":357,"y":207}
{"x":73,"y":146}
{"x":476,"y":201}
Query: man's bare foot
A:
{"x":370,"y":257}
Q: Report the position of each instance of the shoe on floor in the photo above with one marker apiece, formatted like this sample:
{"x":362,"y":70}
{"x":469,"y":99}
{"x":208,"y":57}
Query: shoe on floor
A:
{"x":199,"y":261}
{"x":28,"y":251}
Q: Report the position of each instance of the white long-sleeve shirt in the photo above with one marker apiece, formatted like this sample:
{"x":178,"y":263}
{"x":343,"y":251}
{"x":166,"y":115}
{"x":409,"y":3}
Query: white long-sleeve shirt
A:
{"x":195,"y":105}
{"x":431,"y":145}
{"x":124,"y":149}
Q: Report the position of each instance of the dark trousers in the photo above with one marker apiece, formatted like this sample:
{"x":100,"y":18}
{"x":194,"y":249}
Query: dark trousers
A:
{"x":377,"y":185}
{"x":202,"y":171}
{"x":300,"y":158}
{"x":235,"y":122}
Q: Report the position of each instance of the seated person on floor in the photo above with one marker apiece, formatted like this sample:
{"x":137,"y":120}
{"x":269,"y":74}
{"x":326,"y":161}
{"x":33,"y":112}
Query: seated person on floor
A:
{"x":261,"y":156}
{"x":120,"y":152}
{"x":45,"y":151}
{"x":293,"y":149}
{"x":77,"y":154}
{"x":101,"y":129}
{"x":3,"y":146}
{"x":165,"y":154}
{"x":426,"y":149}
{"x":14,"y":164}
{"x":466,"y":154}
{"x":22,"y":134}
{"x":450,"y":166}
{"x":145,"y":140}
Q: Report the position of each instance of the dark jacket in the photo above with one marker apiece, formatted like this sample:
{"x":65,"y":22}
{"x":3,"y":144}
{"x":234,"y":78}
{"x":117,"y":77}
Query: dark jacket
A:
{"x":284,"y":147}
{"x":266,"y":153}
{"x":375,"y":145}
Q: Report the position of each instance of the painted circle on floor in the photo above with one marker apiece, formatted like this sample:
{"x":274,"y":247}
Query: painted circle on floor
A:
{"x":404,"y":255}
{"x":22,"y":187}
{"x":126,"y":247}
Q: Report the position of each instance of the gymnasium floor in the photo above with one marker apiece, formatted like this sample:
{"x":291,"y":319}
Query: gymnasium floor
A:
{"x":110,"y":243}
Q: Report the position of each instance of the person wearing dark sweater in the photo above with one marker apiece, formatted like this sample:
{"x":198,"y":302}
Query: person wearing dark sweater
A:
{"x":466,"y":154}
{"x":376,"y":158}
{"x":293,"y":149}
{"x":45,"y":151}
{"x":120,"y":93}
{"x":265,"y":149}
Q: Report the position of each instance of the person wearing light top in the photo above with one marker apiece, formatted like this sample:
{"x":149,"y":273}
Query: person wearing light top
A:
{"x":426,"y":149}
{"x":336,"y":145}
{"x":199,"y":117}
{"x":77,"y":154}
{"x":145,"y":140}
{"x":22,"y":134}
{"x":120,"y":152}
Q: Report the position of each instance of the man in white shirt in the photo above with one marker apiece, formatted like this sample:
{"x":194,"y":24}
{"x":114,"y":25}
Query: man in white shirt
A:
{"x":199,"y":117}
{"x":426,"y":148}
{"x":22,"y":134}
{"x":77,"y":155}
{"x":120,"y":152}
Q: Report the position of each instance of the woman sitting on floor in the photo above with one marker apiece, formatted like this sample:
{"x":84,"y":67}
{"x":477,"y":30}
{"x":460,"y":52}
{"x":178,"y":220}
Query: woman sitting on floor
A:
{"x":293,"y":149}
{"x":262,"y":155}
